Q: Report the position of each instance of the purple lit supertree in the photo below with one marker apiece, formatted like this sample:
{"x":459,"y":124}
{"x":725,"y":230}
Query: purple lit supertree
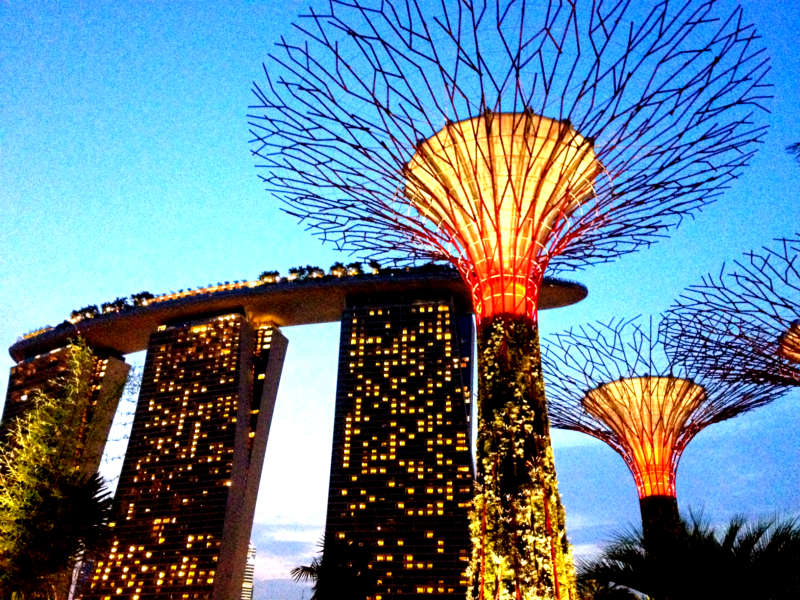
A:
{"x":743,"y":323}
{"x":614,"y":381}
{"x":507,"y":138}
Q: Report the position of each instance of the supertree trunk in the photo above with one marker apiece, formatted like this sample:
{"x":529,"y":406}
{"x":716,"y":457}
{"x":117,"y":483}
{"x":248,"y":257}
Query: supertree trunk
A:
{"x":520,"y":548}
{"x":662,"y":537}
{"x":661,"y":523}
{"x":647,"y":407}
{"x":508,"y":138}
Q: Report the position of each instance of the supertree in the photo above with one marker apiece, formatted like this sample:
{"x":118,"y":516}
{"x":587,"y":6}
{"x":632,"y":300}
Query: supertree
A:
{"x":507,"y":138}
{"x":614,"y":381}
{"x":743,"y":323}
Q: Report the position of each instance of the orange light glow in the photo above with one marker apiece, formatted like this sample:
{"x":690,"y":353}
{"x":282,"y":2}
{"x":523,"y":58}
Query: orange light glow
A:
{"x":789,"y":343}
{"x":498,"y":186}
{"x":647,"y":414}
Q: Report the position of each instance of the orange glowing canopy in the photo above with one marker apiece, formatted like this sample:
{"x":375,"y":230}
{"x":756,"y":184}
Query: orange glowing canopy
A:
{"x":647,"y":415}
{"x":499,"y":185}
{"x":789,"y":343}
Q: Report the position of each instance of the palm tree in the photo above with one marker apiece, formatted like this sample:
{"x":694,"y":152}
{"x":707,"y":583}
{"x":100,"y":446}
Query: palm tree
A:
{"x":340,"y":566}
{"x":308,"y":573}
{"x":755,"y":561}
{"x":67,"y":523}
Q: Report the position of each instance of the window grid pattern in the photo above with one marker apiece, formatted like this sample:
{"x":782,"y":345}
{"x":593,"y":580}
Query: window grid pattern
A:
{"x":174,"y":486}
{"x":43,"y":372}
{"x":401,"y":474}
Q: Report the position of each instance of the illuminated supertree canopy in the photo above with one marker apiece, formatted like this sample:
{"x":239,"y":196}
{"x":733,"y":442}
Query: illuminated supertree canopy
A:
{"x":615,"y":382}
{"x":507,"y":138}
{"x":743,"y":323}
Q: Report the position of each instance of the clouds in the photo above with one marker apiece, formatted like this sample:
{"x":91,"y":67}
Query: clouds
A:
{"x":280,"y":588}
{"x":586,"y":552}
{"x":279,"y":549}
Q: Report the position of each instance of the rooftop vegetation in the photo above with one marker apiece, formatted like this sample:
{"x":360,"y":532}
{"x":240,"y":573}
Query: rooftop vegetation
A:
{"x":295,"y":276}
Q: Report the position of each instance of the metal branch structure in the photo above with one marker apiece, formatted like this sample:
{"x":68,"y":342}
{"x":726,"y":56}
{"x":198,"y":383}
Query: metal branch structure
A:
{"x":743,"y":323}
{"x":508,"y":138}
{"x":615,"y":382}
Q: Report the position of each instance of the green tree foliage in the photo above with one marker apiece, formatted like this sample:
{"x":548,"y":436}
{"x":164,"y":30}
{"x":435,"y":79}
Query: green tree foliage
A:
{"x":338,"y":269}
{"x":87,"y":312}
{"x":297,"y":273}
{"x":115,"y":306}
{"x":52,"y":512}
{"x":141,"y":298}
{"x":354,"y":268}
{"x":742,"y":561}
{"x":269,"y":277}
{"x":314,"y":272}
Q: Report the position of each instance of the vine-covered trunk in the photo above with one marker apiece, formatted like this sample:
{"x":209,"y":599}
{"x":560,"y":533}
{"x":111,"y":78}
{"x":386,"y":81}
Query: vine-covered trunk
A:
{"x":519,"y":542}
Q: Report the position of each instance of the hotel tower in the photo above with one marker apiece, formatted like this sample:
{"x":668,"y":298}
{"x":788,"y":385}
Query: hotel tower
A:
{"x":186,"y":496}
{"x":43,"y":372}
{"x":401,"y":472}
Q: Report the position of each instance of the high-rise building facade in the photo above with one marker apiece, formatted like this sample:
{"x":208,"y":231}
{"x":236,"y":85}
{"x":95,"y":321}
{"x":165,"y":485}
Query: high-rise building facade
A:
{"x":401,"y":472}
{"x":186,"y":496}
{"x":44,"y":372}
{"x":249,"y":573}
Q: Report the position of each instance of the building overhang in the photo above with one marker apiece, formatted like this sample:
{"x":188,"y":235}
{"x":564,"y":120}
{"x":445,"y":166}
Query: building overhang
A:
{"x":284,"y":304}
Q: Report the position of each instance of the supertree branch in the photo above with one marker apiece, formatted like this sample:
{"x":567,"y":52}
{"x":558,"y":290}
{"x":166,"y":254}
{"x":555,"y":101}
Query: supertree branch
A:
{"x":508,"y":137}
{"x":743,"y":323}
{"x":794,"y":150}
{"x":615,"y":382}
{"x":667,"y":97}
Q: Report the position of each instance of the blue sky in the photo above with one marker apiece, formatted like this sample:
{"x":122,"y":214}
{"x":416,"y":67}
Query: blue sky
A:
{"x":124,"y":166}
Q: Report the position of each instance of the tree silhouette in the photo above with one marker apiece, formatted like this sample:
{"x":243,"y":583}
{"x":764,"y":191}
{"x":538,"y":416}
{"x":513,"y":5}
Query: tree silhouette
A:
{"x":756,"y":561}
{"x":338,"y":571}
